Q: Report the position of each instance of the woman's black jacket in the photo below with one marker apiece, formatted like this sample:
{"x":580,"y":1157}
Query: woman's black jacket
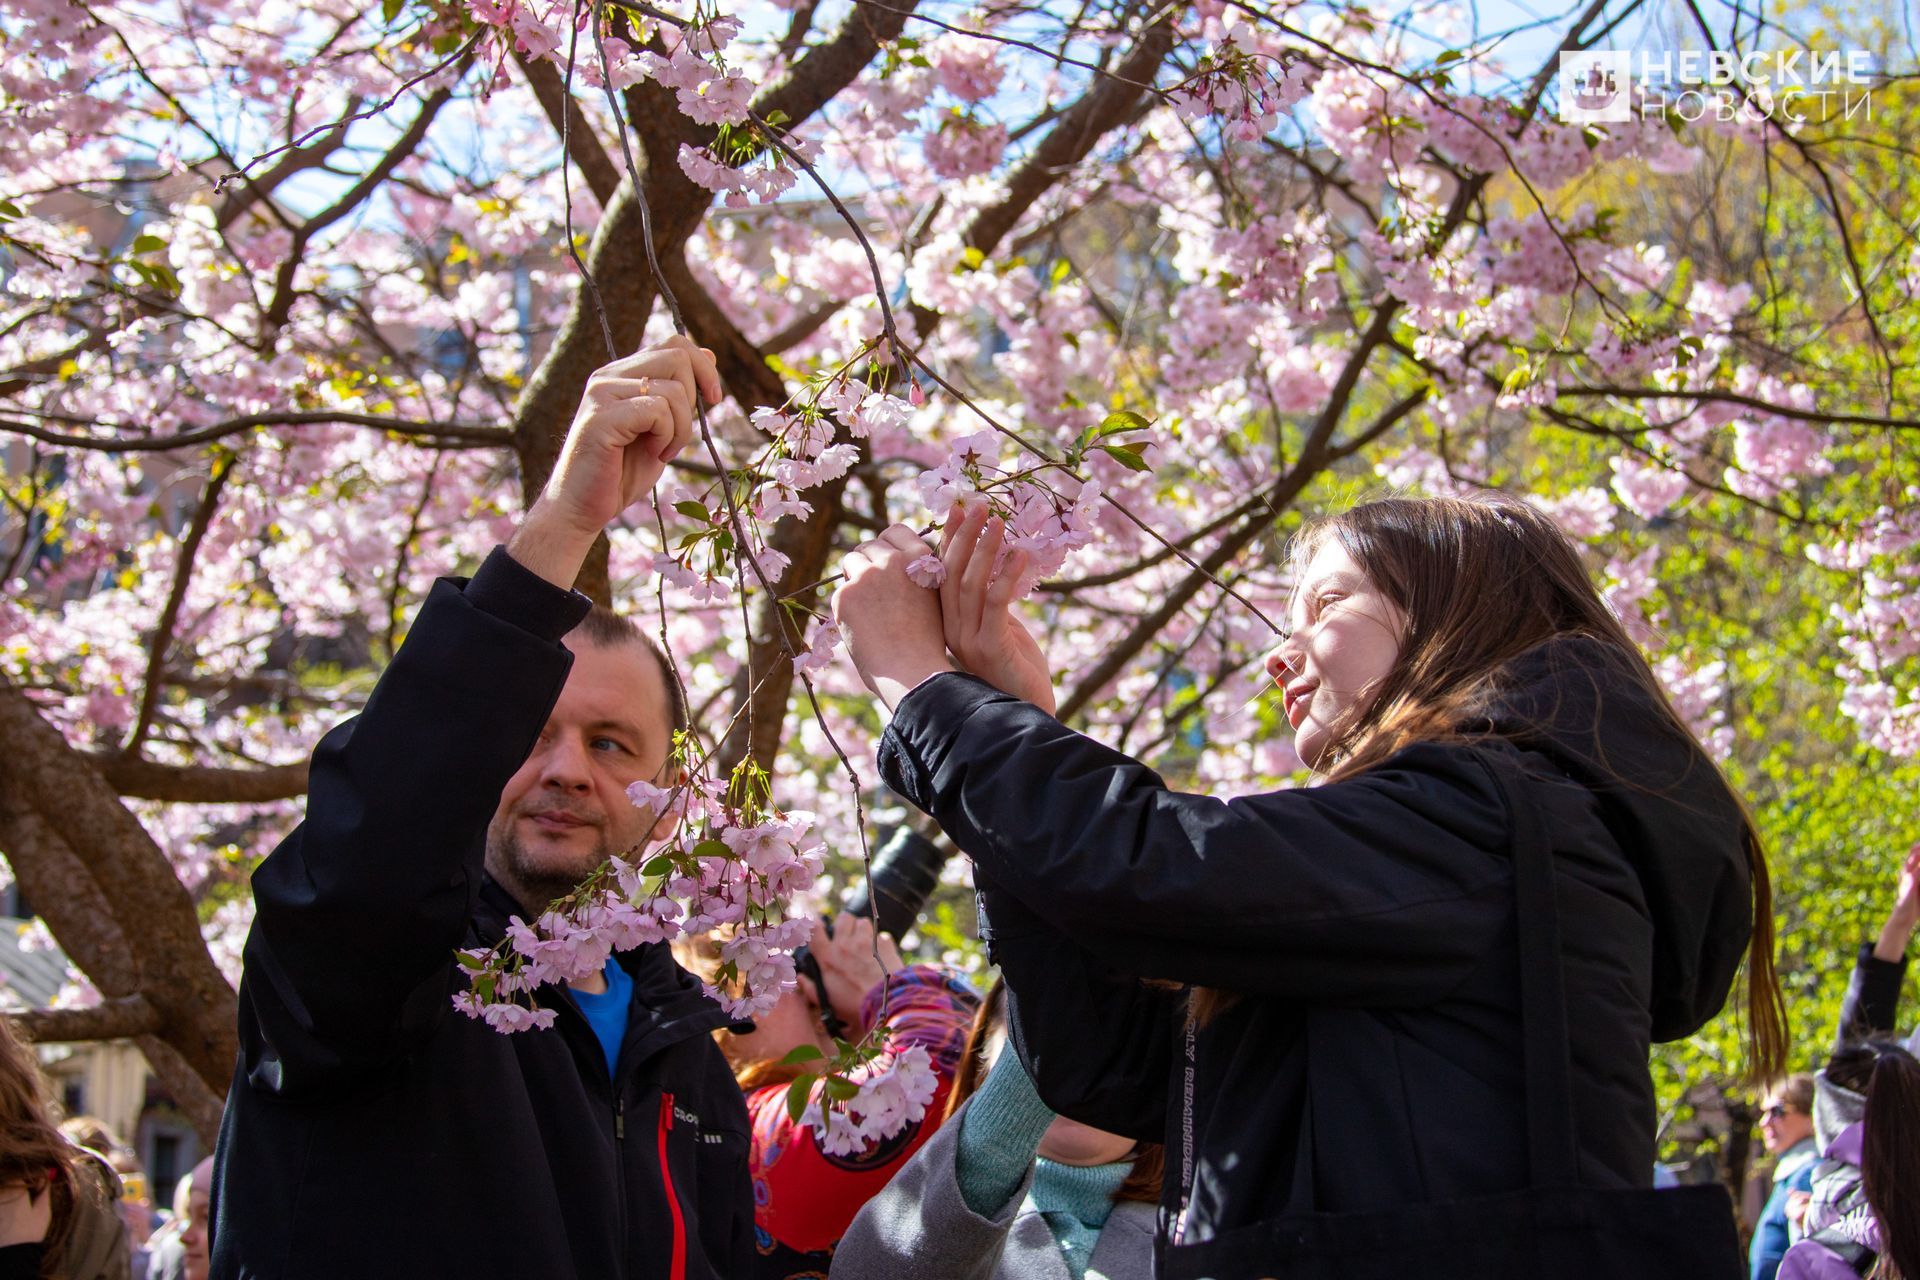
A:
{"x":372,"y":1131}
{"x":1373,"y":1058}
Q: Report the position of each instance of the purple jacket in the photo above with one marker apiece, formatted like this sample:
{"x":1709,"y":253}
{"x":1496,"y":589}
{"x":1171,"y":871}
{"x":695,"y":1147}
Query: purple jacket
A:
{"x":1811,"y":1260}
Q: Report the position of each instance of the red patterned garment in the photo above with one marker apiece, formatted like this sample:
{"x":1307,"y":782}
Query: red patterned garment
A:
{"x":804,"y":1199}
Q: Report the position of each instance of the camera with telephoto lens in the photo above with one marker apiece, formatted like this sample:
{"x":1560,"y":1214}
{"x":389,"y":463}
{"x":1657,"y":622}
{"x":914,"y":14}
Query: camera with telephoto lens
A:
{"x":906,"y":867}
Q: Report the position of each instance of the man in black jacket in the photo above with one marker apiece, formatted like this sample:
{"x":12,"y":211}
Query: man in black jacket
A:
{"x":372,"y":1130}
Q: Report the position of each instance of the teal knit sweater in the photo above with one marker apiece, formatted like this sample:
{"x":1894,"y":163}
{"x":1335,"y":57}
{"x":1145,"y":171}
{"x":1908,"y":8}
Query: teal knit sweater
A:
{"x":1000,"y":1132}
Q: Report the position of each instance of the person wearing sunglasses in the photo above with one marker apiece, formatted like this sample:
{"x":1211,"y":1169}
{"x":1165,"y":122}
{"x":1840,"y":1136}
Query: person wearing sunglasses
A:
{"x":1786,"y":1127}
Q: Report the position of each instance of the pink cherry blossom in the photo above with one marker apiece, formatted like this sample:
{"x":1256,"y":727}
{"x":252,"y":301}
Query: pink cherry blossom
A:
{"x":928,"y":571}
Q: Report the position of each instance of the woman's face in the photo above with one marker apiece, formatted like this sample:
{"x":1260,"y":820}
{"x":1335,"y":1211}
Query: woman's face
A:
{"x":1345,"y":639}
{"x":1070,"y":1142}
{"x":1782,"y":1124}
{"x":793,"y":1021}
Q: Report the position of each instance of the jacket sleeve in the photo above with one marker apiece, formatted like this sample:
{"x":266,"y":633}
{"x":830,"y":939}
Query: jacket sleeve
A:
{"x":360,"y":908}
{"x":919,"y":1227}
{"x":1383,"y":891}
{"x":1872,"y":1003}
{"x":923,"y":1005}
{"x":1098,"y":1043}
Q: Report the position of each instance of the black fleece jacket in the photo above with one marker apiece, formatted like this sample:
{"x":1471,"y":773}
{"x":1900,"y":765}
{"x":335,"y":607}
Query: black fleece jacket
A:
{"x":372,"y":1130}
{"x":1372,"y":1059}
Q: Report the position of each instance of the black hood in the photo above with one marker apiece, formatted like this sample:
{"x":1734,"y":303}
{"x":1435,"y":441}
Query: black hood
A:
{"x":1575,"y":701}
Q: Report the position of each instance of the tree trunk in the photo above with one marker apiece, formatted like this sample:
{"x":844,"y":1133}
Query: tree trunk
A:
{"x":112,"y":900}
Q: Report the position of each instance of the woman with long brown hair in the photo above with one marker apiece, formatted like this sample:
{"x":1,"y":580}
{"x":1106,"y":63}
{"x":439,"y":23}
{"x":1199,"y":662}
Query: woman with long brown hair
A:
{"x":1880,"y":1237}
{"x":1419,"y":997}
{"x":57,"y":1217}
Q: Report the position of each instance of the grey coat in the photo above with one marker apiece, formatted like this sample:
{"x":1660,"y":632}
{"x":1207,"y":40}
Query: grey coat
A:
{"x":919,"y":1228}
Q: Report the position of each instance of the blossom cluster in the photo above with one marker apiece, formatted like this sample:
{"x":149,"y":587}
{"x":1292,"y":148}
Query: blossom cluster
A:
{"x":722,"y":873}
{"x":1880,"y":625}
{"x":892,"y":1092}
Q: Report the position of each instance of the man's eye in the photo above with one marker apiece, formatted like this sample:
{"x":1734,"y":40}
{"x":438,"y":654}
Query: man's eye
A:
{"x":608,"y":744}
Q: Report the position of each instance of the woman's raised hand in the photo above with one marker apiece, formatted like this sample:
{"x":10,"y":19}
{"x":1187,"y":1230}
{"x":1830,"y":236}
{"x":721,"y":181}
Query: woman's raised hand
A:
{"x":975,"y":608}
{"x":890,"y":623}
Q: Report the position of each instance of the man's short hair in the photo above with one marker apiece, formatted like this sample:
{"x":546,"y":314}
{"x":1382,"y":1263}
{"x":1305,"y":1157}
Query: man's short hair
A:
{"x":608,"y":629}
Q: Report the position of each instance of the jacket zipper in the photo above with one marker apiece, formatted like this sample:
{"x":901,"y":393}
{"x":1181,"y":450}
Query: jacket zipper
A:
{"x":677,"y":1268}
{"x":620,"y":1165}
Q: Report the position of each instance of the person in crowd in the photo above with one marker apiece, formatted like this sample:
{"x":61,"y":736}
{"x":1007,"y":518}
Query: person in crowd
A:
{"x":1786,"y":1127}
{"x":374,"y":1131}
{"x":92,"y":1133}
{"x":1836,"y":1207}
{"x":804,"y":1197}
{"x":1350,"y":1039}
{"x":1880,"y":1236}
{"x":58,"y":1216}
{"x":1007,"y":1190}
{"x":192,"y":1204}
{"x":186,"y":1232}
{"x":135,"y":1203}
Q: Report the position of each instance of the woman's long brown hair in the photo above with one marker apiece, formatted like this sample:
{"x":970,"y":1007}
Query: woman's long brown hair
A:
{"x":33,"y":1154}
{"x":1480,"y":581}
{"x":1889,"y":1078}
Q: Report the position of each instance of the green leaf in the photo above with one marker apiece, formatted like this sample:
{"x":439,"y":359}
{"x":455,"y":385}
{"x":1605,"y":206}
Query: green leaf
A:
{"x":1121,"y":420}
{"x":1127,"y":455}
{"x":841,"y":1089}
{"x":972,"y":258}
{"x":776,"y":117}
{"x":148,"y":244}
{"x":694,"y":510}
{"x":1450,"y":56}
{"x":657,"y":866}
{"x":797,"y":1095}
{"x":801,"y":1053}
{"x":390,"y":10}
{"x":1522,"y":375}
{"x":1061,"y":270}
{"x":9,"y":211}
{"x":711,"y":849}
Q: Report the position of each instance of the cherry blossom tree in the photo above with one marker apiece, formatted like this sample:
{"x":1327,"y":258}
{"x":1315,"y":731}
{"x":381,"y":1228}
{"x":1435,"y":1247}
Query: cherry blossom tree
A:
{"x":301,"y":296}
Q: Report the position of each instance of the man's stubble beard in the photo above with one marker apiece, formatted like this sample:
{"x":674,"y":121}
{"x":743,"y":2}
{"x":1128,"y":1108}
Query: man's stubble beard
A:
{"x":534,"y":885}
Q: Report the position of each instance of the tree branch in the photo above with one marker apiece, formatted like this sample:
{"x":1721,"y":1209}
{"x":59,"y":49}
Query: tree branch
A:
{"x":147,"y":900}
{"x":280,"y":309}
{"x":1823,"y":417}
{"x":675,"y":208}
{"x":162,"y":639}
{"x":200,"y":784}
{"x":596,"y":167}
{"x":457,"y":435}
{"x":300,"y":158}
{"x":120,"y":1018}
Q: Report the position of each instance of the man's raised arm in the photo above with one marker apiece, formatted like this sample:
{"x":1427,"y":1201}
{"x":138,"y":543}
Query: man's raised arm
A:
{"x":361,"y":907}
